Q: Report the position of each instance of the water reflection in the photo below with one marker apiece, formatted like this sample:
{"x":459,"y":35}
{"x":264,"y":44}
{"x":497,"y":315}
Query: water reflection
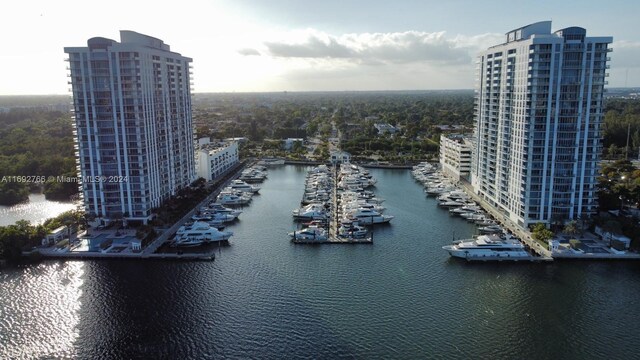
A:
{"x":39,"y":308}
{"x":37,"y":210}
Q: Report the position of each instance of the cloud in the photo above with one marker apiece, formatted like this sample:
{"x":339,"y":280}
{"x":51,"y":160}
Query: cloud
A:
{"x":384,"y":48}
{"x":625,"y":54}
{"x":249,"y":52}
{"x":314,"y":46}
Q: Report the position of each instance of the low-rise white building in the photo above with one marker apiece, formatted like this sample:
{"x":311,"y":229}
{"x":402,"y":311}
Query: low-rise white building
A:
{"x":55,"y":236}
{"x":340,"y":157}
{"x":216,"y":159}
{"x":455,"y":156}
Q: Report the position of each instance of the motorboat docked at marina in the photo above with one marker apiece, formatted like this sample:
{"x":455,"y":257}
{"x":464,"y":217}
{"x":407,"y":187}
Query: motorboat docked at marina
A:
{"x":490,"y":229}
{"x":310,"y":233}
{"x":243,"y":186}
{"x":214,"y":218}
{"x":351,"y":229}
{"x":368,"y":216}
{"x":228,"y":197}
{"x":450,"y":203}
{"x":198,"y":233}
{"x":220,"y":209}
{"x":488,"y":246}
{"x":314,"y":211}
{"x":254,"y":174}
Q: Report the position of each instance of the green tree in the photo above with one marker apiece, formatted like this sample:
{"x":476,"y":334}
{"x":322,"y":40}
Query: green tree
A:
{"x":613,"y":151}
{"x":12,"y":192}
{"x":571,"y":228}
{"x":541,"y":234}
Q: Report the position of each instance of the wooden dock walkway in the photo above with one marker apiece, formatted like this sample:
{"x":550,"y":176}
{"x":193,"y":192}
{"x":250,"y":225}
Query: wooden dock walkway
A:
{"x":335,"y":240}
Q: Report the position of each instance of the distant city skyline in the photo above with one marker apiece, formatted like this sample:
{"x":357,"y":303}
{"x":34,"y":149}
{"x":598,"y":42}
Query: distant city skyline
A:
{"x":284,"y":45}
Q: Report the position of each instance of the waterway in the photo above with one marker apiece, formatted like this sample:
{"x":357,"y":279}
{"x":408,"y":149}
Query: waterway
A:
{"x":263,"y":297}
{"x":36,"y":210}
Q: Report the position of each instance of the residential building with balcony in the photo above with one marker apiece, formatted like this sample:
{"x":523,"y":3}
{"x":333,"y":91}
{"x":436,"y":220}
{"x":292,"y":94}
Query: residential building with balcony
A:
{"x":538,"y":123}
{"x":133,"y":124}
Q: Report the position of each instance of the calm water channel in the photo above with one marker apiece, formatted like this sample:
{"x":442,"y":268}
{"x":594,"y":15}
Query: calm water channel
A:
{"x":263,"y":297}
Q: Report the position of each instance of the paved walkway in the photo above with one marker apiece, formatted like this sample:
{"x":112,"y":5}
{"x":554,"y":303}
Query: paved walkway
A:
{"x":154,"y":245}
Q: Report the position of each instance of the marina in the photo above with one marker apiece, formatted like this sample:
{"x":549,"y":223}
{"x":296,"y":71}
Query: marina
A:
{"x":490,"y":248}
{"x":460,"y":201}
{"x":338,"y":207}
{"x":196,"y":236}
{"x":401,"y":295}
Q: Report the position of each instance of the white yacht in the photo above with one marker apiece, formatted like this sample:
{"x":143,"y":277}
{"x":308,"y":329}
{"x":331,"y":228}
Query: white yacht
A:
{"x":458,"y":211}
{"x":208,"y":219}
{"x":231,"y":198}
{"x":438,"y":190}
{"x":198,"y":233}
{"x":219,"y":208}
{"x":312,"y":211}
{"x":487,"y":246}
{"x":472,"y":217}
{"x":486,"y":222}
{"x":348,"y":229}
{"x":310,"y":233}
{"x":450,"y":203}
{"x":369,"y":216}
{"x":490,"y":229}
{"x":243,"y":186}
{"x":355,"y":205}
{"x":187,"y":242}
{"x":254,"y":174}
{"x":214,"y":218}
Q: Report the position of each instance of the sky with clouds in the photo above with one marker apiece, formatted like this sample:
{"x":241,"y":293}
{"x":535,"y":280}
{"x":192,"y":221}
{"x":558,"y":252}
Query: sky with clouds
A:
{"x":297,"y":45}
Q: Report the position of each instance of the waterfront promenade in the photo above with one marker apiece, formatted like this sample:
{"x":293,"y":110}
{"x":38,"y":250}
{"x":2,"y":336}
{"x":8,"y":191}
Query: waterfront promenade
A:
{"x":523,"y":235}
{"x":543,"y":252}
{"x":150,"y":251}
{"x":167,"y":234}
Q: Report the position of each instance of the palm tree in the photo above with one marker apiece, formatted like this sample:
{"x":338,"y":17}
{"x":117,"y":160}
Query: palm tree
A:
{"x":571,"y":228}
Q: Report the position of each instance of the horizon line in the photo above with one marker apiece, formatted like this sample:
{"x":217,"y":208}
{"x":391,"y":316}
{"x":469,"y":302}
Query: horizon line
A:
{"x":309,"y":91}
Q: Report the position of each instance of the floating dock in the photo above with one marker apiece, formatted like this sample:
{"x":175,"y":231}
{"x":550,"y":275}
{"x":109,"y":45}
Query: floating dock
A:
{"x":335,"y":240}
{"x":508,"y":259}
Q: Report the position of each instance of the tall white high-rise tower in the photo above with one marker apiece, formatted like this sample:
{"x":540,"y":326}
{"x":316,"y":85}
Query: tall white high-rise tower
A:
{"x":133,"y":124}
{"x":537,"y":130}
